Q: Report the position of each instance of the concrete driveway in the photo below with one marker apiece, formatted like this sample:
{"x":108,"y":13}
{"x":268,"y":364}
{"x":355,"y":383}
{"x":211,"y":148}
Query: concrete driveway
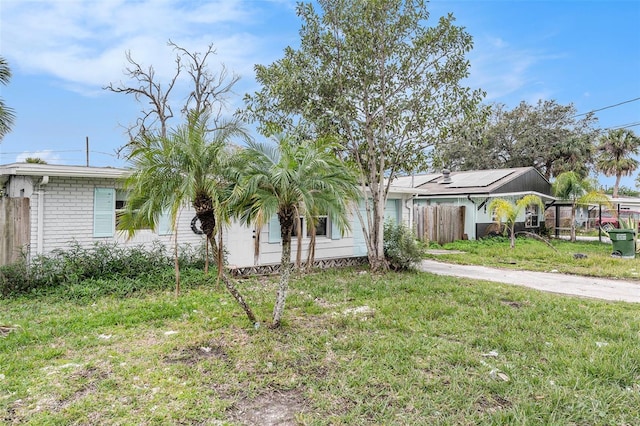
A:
{"x":597,"y":288}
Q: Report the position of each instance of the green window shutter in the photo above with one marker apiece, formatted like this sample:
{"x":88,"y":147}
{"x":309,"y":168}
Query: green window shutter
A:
{"x":335,"y":232}
{"x":104,"y":213}
{"x":275,"y":235}
{"x":164,"y":225}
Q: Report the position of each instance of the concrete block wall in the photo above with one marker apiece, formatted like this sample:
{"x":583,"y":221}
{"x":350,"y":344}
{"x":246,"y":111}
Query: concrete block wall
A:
{"x":68,"y":208}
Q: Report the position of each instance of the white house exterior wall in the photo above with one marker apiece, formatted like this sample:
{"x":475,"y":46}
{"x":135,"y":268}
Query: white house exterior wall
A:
{"x":68,"y":211}
{"x":239,"y":242}
{"x":62,"y":213}
{"x":240,"y":247}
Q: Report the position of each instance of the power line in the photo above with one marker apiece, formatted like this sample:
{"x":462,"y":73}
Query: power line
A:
{"x":607,"y":107}
{"x":42,"y":151}
{"x":624,"y":126}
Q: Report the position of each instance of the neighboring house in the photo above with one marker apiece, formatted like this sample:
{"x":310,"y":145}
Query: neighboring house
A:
{"x":475,"y":189}
{"x":625,"y":208}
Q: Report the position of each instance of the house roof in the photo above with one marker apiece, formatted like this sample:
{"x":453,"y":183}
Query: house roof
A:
{"x":516,"y":180}
{"x":33,"y":169}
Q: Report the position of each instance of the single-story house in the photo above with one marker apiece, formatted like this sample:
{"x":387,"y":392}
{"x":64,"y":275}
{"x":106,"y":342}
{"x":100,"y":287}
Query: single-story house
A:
{"x":475,"y":190}
{"x":47,"y":207}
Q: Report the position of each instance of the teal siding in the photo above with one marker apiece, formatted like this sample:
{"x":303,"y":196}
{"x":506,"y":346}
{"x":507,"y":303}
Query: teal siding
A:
{"x":391,"y":212}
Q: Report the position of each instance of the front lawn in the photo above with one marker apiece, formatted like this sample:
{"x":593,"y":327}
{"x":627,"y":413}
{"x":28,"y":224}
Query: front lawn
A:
{"x":535,"y":255}
{"x":355,"y":348}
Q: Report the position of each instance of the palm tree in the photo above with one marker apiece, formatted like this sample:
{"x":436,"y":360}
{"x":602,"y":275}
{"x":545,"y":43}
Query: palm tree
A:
{"x":292,"y":180}
{"x":186,"y":166}
{"x":7,"y":116}
{"x":569,"y":186}
{"x":508,"y":212}
{"x":617,"y":149}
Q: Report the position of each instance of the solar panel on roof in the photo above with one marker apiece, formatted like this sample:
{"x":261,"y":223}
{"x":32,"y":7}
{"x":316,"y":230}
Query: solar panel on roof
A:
{"x":479,"y":178}
{"x":413,"y":181}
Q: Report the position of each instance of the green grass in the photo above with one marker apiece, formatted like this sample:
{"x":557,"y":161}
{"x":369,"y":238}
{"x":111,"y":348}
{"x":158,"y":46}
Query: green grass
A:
{"x":534,"y":255}
{"x":355,"y":348}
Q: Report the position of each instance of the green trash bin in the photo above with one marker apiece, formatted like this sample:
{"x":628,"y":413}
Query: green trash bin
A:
{"x":624,"y":243}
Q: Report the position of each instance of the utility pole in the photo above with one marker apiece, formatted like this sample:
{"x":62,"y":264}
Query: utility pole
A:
{"x":87,"y":145}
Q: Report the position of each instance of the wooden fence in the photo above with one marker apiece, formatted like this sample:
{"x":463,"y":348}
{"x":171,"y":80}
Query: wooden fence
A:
{"x":443,"y":223}
{"x":14,"y":228}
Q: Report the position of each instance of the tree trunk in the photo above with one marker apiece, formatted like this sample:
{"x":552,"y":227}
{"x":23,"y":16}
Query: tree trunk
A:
{"x":573,"y":223}
{"x":377,"y":261}
{"x":513,"y":236}
{"x":215,"y":249}
{"x":220,"y":254}
{"x":236,"y":295}
{"x":286,"y":224}
{"x":299,"y":240}
{"x":206,"y":256}
{"x":616,"y":186}
{"x":175,"y":256}
{"x":311,"y":256}
{"x":203,"y":205}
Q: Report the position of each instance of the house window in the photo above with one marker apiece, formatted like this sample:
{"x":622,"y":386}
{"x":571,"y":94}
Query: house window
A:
{"x":321,"y":226}
{"x":108,"y":207}
{"x":294,"y":230}
{"x":532,"y":217}
{"x":324,"y":228}
{"x":121,"y":202}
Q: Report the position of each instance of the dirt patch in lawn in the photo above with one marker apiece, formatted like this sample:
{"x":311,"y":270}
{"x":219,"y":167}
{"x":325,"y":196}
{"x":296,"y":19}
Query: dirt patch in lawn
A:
{"x":492,"y":404}
{"x":193,"y":354}
{"x":514,"y":304}
{"x":274,"y":408}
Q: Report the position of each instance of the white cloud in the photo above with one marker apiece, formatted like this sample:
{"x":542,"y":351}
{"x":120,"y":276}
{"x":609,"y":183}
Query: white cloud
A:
{"x":83,"y":43}
{"x":506,"y":73}
{"x":47,"y":155}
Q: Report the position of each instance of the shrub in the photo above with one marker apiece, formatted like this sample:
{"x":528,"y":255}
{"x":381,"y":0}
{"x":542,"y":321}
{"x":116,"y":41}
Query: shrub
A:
{"x":102,"y":261}
{"x":400,"y":247}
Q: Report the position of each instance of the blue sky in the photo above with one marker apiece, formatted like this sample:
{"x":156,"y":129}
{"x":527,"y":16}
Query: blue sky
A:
{"x":62,"y":52}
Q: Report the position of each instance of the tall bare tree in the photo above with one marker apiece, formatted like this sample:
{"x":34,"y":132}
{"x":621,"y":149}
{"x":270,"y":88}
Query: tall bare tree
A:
{"x":208,"y":91}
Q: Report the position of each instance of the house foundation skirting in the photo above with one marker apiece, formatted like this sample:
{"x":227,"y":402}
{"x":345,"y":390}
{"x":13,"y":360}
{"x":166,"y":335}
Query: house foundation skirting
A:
{"x":342,"y":262}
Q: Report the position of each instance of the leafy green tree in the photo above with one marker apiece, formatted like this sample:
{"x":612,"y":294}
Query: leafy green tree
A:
{"x":34,"y":160}
{"x":185,"y":166}
{"x":616,"y":150}
{"x":507,"y":212}
{"x":623,"y":191}
{"x":292,"y":180}
{"x":374,"y":75}
{"x":570,"y":186}
{"x":547,"y":136}
{"x":7,"y":115}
